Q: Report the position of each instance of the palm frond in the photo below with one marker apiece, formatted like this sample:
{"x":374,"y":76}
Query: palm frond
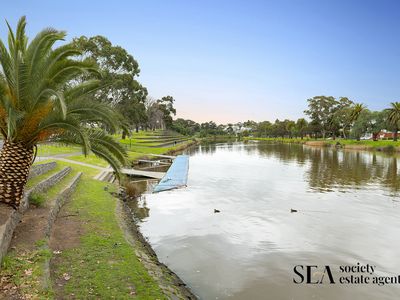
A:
{"x":68,"y":124}
{"x":98,"y":137}
{"x":90,"y":109}
{"x":84,"y":89}
{"x":45,"y":94}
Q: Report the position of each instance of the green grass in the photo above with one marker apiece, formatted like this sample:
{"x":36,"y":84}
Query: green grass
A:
{"x":365,"y":143}
{"x":25,"y":270}
{"x":54,"y":149}
{"x":37,"y":199}
{"x":34,"y":181}
{"x":104,"y":264}
{"x":56,"y":189}
{"x":136,"y":148}
{"x":135,"y":155}
{"x":90,"y":159}
{"x":369,"y":143}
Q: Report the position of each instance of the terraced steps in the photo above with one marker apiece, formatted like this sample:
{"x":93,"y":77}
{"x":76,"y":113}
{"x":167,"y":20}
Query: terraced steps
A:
{"x":29,"y":244}
{"x":41,"y":169}
{"x":9,"y":218}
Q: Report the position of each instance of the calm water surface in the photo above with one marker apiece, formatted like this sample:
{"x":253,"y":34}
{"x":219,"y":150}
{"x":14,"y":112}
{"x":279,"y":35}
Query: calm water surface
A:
{"x":348,"y":212}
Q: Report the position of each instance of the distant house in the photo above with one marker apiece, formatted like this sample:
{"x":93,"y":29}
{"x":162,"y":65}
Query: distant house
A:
{"x":367,"y":136}
{"x":385,"y":135}
{"x":236,"y":129}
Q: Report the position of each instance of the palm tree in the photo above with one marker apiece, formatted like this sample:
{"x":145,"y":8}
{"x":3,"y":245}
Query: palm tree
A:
{"x":43,"y":98}
{"x":355,"y":112}
{"x":394,"y":118}
{"x":351,"y":115}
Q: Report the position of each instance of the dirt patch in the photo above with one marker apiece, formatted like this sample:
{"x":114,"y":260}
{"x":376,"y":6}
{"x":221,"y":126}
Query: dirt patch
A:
{"x":316,"y":143}
{"x":30,"y":229}
{"x":66,"y":234}
{"x":28,"y":233}
{"x":67,"y":231}
{"x":8,"y":290}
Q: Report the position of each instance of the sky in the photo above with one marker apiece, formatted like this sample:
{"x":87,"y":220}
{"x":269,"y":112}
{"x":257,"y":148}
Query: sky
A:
{"x":231,"y":61}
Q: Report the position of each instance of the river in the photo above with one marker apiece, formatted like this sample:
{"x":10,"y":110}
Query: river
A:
{"x":281,"y":206}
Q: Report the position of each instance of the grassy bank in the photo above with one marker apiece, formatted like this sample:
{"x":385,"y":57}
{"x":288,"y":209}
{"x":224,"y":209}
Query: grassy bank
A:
{"x":385,"y":145}
{"x":90,"y":256}
{"x":139,"y":145}
{"x":103,"y":264}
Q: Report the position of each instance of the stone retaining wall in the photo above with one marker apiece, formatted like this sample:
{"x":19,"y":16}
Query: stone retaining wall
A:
{"x":9,"y":218}
{"x":47,"y":183}
{"x":37,"y":170}
{"x":60,"y":201}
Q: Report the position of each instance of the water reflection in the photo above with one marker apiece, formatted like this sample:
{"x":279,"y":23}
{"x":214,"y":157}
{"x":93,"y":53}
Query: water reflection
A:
{"x":331,"y":169}
{"x":346,"y":214}
{"x":138,"y":205}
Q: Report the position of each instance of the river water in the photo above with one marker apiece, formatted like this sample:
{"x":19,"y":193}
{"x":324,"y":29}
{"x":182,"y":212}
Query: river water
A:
{"x":348,"y":212}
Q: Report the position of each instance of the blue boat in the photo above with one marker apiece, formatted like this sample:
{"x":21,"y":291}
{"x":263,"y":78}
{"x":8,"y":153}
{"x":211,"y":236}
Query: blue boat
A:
{"x":176,"y":175}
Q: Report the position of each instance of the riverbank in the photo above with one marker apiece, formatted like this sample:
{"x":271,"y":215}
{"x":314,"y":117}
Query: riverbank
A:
{"x":386,"y":145}
{"x":93,"y":250}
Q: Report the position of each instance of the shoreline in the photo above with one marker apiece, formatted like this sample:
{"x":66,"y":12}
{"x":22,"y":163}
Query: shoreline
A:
{"x":380,"y":146}
{"x":170,"y":283}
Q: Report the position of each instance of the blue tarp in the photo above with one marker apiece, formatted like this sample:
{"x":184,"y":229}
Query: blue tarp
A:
{"x":176,"y":175}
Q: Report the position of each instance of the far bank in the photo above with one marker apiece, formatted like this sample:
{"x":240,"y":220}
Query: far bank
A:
{"x":381,"y":145}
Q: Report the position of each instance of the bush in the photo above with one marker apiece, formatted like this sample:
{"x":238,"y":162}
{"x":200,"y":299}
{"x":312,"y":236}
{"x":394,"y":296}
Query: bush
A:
{"x":37,"y":199}
{"x":131,"y":189}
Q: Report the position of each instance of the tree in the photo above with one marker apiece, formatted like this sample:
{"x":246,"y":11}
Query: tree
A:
{"x":133,"y":109}
{"x":356,"y":110}
{"x":166,"y":105}
{"x":394,"y":118}
{"x":119,"y":70}
{"x":118,"y":67}
{"x":363,"y":124}
{"x":320,"y":110}
{"x":350,"y":114}
{"x":185,"y":127}
{"x":155,"y":116}
{"x":40,"y":100}
{"x":301,"y":127}
{"x":341,"y":117}
{"x":264,"y":128}
{"x":377,"y":123}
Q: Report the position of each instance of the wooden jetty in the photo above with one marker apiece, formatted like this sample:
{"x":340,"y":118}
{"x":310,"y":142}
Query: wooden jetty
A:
{"x":135,"y":172}
{"x":163,"y":156}
{"x":154,"y":162}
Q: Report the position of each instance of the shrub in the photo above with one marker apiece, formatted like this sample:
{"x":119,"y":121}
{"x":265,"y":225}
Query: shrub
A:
{"x":37,"y":199}
{"x":131,"y":189}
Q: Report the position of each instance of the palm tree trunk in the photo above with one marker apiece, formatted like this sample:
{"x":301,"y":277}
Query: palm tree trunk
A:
{"x":15,"y":163}
{"x":395,"y":135}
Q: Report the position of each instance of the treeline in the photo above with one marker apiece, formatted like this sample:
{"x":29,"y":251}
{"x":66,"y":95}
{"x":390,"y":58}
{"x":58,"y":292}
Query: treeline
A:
{"x":328,"y":117}
{"x":189,"y":127}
